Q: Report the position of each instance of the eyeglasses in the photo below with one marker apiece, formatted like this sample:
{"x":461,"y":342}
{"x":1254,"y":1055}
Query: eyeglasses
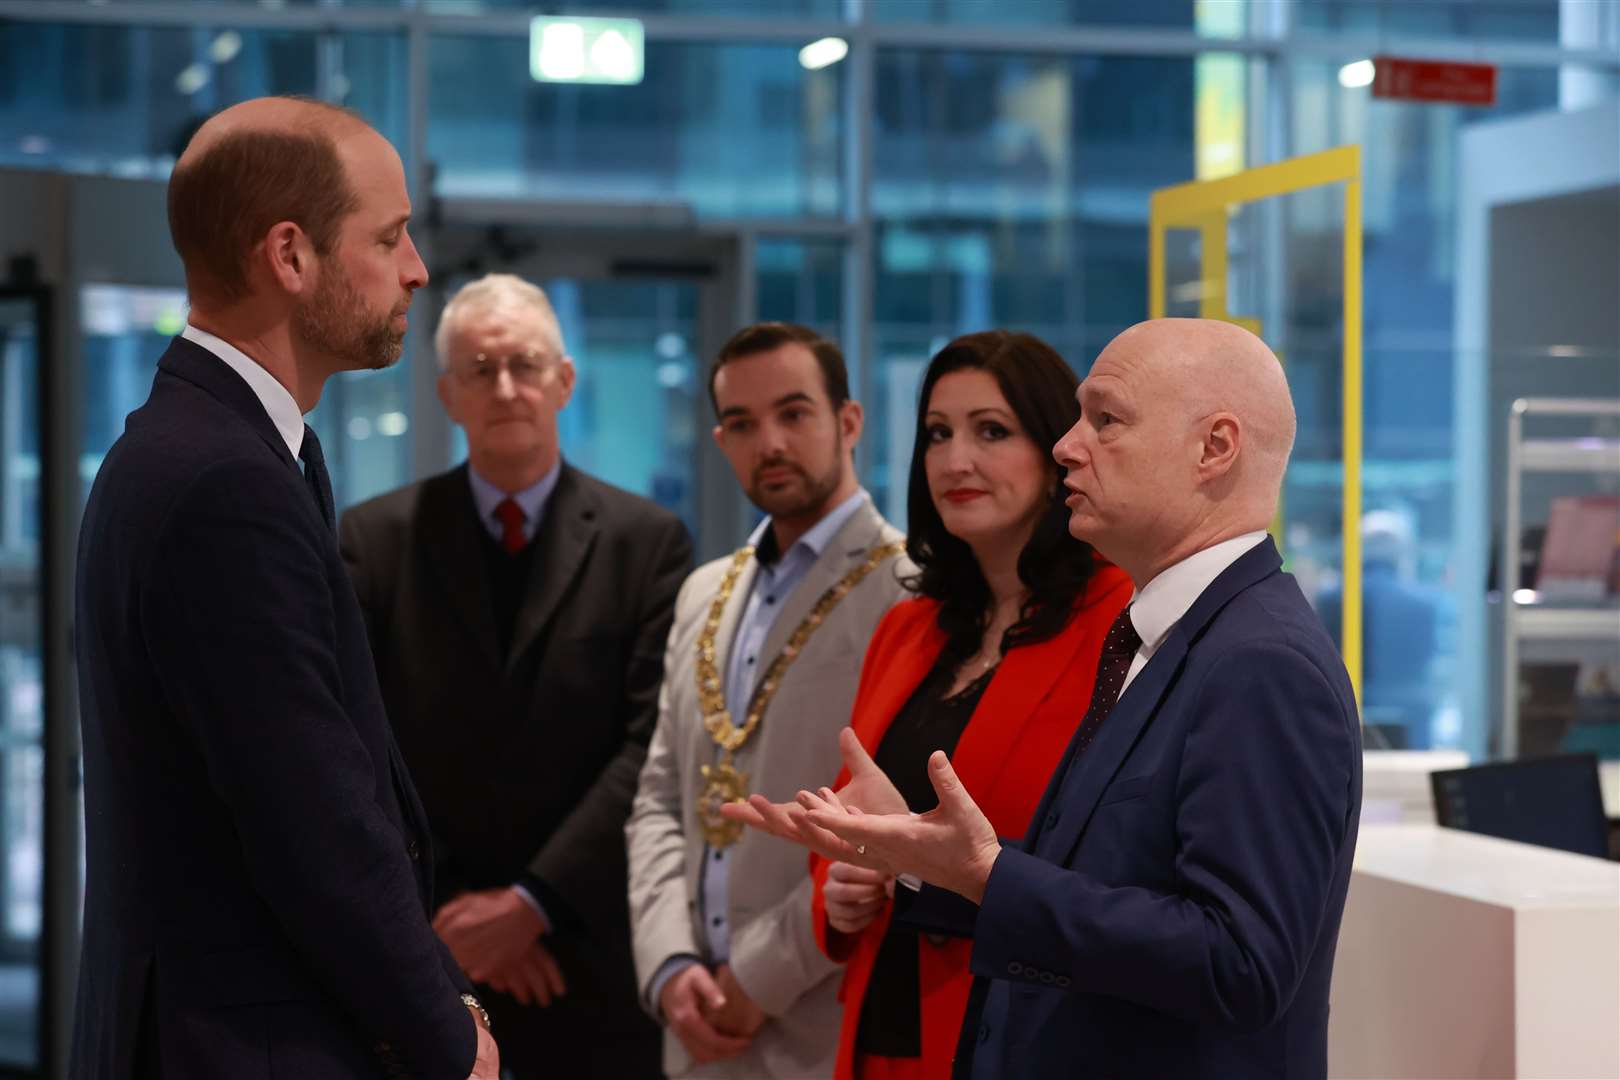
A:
{"x":526,"y":368}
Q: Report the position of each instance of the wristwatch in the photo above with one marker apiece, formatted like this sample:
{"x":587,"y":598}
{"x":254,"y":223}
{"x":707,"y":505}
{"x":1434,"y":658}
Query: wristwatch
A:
{"x":473,"y":1003}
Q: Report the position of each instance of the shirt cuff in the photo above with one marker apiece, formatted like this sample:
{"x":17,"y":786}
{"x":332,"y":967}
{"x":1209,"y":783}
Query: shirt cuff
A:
{"x":666,"y":971}
{"x":910,"y":881}
{"x":539,"y":908}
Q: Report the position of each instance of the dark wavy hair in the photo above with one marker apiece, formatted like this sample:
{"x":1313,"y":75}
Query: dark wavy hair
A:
{"x":1040,"y":388}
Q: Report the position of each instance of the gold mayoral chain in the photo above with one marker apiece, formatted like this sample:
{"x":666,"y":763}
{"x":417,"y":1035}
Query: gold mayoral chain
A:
{"x":722,"y":782}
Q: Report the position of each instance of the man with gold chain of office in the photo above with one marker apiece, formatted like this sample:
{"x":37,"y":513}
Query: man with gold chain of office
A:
{"x":760,"y":672}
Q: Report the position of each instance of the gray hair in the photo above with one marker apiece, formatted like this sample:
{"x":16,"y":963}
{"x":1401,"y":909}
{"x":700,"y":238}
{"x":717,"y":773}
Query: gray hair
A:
{"x":493,"y":290}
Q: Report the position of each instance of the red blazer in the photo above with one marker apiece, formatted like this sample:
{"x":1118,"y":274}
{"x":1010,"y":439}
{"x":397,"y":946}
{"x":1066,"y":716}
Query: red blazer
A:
{"x":1012,"y":743}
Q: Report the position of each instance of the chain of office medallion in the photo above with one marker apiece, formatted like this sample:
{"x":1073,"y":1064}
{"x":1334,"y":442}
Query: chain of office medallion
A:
{"x":710,"y":689}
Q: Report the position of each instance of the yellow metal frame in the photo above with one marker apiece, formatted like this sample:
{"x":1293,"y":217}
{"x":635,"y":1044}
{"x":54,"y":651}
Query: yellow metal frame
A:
{"x":1206,"y":205}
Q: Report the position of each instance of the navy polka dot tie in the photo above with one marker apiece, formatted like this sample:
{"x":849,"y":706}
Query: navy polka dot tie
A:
{"x":1118,"y":650}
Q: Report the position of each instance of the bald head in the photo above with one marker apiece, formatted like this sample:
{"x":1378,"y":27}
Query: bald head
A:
{"x":250,"y":167}
{"x":271,"y":116}
{"x":1184,"y":435}
{"x":1207,"y":368}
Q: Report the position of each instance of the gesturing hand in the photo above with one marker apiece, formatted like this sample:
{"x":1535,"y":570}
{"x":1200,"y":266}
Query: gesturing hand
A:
{"x":686,"y":1000}
{"x":953,"y":846}
{"x":868,"y":790}
{"x":855,"y":896}
{"x":487,"y":930}
{"x":533,"y":976}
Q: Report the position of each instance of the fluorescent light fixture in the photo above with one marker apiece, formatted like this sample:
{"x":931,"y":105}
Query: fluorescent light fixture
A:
{"x":1356,"y":75}
{"x":223,"y":49}
{"x":1524,"y":596}
{"x":577,"y":50}
{"x":392,"y":423}
{"x":34,"y":144}
{"x":359,"y":428}
{"x":824,"y":53}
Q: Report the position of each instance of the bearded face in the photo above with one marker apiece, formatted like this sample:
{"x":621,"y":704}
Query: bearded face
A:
{"x":337,"y":321}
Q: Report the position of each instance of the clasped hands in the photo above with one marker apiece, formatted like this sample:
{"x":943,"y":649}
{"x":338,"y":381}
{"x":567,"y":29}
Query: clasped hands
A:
{"x":866,"y":823}
{"x":709,"y":1012}
{"x":495,"y":935}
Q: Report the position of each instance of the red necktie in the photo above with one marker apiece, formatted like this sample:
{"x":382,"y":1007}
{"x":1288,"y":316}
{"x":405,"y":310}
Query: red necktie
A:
{"x":510,"y":515}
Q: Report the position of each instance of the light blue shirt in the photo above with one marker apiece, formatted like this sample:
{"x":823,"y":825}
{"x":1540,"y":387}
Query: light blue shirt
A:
{"x":531,"y":500}
{"x":773,"y":583}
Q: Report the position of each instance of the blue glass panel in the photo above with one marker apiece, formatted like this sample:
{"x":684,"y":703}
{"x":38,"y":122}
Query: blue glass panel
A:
{"x":728,"y":130}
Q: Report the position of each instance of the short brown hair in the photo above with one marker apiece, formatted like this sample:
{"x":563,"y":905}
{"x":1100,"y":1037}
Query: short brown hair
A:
{"x":765,"y":336}
{"x":223,"y":202}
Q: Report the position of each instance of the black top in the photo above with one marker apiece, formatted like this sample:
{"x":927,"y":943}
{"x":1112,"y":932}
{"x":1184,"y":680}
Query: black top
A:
{"x":891,"y":1014}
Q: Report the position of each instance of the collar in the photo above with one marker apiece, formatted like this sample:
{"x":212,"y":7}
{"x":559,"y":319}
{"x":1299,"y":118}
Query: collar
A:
{"x":276,"y":399}
{"x":816,"y":538}
{"x":1161,"y":603}
{"x":531,"y":500}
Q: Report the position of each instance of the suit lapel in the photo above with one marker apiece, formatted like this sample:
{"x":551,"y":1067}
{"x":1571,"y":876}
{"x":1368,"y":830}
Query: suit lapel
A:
{"x":1027,"y":674}
{"x":448,"y":524}
{"x":900,"y":680}
{"x":1079,"y":788}
{"x":846,"y":550}
{"x":187,"y":360}
{"x":732,"y":614}
{"x":567,"y":533}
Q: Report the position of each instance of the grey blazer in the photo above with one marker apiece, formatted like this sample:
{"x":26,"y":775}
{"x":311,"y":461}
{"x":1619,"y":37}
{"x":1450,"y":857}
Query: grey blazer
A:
{"x":773,"y":948}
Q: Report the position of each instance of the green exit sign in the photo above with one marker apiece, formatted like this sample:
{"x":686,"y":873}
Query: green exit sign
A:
{"x":572,"y":50}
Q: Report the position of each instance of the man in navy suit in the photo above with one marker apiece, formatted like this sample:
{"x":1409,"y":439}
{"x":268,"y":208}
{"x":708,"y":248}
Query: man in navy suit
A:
{"x":258,"y":863}
{"x":1174,"y":909}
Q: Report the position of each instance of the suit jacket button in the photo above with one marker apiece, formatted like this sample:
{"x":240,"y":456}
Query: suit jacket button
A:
{"x":1063,"y":980}
{"x":414,"y":850}
{"x":1015,"y":968}
{"x":1048,"y":978}
{"x":984,"y":1033}
{"x":1052,"y":819}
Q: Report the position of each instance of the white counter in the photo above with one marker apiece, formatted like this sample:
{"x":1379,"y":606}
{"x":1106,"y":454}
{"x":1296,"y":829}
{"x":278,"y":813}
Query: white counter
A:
{"x":1467,"y":956}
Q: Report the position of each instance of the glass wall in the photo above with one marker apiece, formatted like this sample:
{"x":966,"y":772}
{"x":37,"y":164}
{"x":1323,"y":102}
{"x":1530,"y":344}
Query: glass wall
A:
{"x":727,"y":130}
{"x":22,"y":680}
{"x":968,"y":163}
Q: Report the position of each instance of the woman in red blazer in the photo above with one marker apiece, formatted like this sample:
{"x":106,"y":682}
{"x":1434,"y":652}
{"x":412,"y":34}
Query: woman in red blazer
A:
{"x":993,"y":663}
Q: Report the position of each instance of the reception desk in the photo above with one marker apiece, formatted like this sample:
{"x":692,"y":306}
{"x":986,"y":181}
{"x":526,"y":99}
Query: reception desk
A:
{"x":1471,"y":957}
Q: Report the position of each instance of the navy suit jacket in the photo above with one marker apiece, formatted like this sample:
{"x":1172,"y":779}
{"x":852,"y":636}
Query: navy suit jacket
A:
{"x":258,"y":871}
{"x":1174,"y":910}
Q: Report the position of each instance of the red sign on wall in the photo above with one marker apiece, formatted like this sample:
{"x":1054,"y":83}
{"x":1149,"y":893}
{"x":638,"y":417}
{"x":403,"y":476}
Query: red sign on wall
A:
{"x":1434,"y":80}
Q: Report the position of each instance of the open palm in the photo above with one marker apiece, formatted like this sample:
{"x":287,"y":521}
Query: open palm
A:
{"x":868,"y":791}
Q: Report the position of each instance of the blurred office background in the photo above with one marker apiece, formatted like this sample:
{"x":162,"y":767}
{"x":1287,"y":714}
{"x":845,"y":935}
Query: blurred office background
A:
{"x":923,"y":169}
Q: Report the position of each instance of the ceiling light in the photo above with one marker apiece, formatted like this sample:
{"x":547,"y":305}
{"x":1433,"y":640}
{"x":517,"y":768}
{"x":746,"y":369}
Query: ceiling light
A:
{"x":824,"y":53}
{"x":1356,"y":75}
{"x":223,"y":49}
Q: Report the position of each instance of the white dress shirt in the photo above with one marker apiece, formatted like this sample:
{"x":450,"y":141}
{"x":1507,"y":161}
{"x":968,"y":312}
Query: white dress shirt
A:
{"x":276,"y":399}
{"x":1160,"y":604}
